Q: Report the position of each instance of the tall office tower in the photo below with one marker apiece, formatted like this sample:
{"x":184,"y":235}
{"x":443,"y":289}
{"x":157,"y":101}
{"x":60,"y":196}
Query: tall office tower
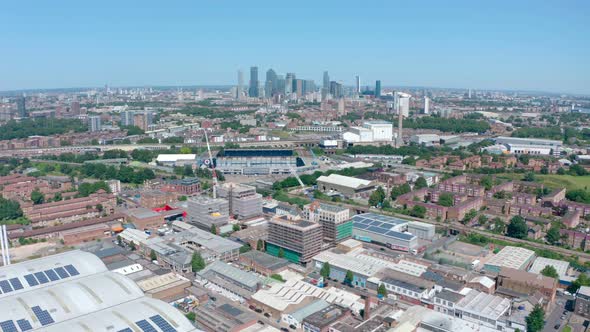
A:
{"x":21,"y":107}
{"x":299,"y":240}
{"x":326,"y":81}
{"x":205,"y":212}
{"x":426,"y":105}
{"x":75,"y":107}
{"x":280,"y":85}
{"x":240,"y":89}
{"x":401,"y":104}
{"x":358,"y":85}
{"x":336,"y":89}
{"x":378,"y":88}
{"x":127,"y":118}
{"x":298,"y":87}
{"x":289,"y":83}
{"x":270,"y":83}
{"x":308,"y":87}
{"x":244,"y":201}
{"x":469,"y":94}
{"x":253,"y":89}
{"x":94,"y":123}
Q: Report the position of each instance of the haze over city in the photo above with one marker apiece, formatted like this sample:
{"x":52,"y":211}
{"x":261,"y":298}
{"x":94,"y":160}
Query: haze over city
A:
{"x":524,"y":45}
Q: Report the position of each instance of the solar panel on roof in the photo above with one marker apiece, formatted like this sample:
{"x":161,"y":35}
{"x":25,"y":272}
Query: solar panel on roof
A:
{"x":162,"y":324}
{"x":72,"y":270}
{"x":8,"y":326}
{"x":376,"y":230}
{"x":52,"y":275}
{"x":24,"y":325}
{"x":126,"y":330}
{"x":145,"y":326}
{"x":16,"y":284}
{"x":43,"y":316}
{"x":5,"y":285}
{"x":360,"y":226}
{"x":41,"y":277}
{"x":31,"y":280}
{"x":62,"y":272}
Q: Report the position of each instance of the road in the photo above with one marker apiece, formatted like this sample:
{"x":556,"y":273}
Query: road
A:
{"x":467,"y":229}
{"x":554,"y":317}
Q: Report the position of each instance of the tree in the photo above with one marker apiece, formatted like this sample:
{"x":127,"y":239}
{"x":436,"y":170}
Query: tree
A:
{"x":445,"y":199}
{"x":191,"y":316}
{"x":553,"y":235}
{"x":468,"y":216}
{"x":487,"y":182}
{"x":325,"y":271}
{"x":235,"y":227}
{"x":9,"y":209}
{"x":132,"y":246}
{"x":400,"y":190}
{"x":260,"y":245}
{"x":153,"y":255}
{"x":37,"y":197}
{"x":535,"y":321}
{"x":57,"y":197}
{"x":119,"y":240}
{"x":377,"y":197}
{"x":517,"y":228}
{"x":382,"y":290}
{"x":582,"y":280}
{"x":530,"y":177}
{"x":418,"y":211}
{"x":197,"y":262}
{"x":213,"y":229}
{"x":349,"y":277}
{"x":550,"y":271}
{"x":281,"y":253}
{"x":245,"y":248}
{"x":420,"y":183}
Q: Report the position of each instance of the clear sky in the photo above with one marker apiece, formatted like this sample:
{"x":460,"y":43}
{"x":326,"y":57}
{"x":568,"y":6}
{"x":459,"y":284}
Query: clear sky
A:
{"x":518,"y":44}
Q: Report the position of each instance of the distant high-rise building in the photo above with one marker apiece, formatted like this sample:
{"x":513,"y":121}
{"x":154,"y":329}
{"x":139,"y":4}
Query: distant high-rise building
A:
{"x":401,"y":104}
{"x":240,"y":88}
{"x":75,"y":107}
{"x":270,"y":85}
{"x":378,"y":88}
{"x":127,"y":118}
{"x":308,"y":87}
{"x":253,"y":90}
{"x":336,"y":89}
{"x":326,"y":82}
{"x":426,"y":105}
{"x":94,"y":123}
{"x":469,"y":94}
{"x":21,"y":107}
{"x":289,"y":83}
{"x":357,"y":89}
{"x":143,"y":120}
{"x":299,"y":87}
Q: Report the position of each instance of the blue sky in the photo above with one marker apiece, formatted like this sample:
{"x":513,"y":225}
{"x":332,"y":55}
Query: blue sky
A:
{"x":528,"y":45}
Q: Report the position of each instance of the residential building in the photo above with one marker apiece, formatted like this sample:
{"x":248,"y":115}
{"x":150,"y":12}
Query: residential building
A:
{"x":582,"y":305}
{"x":244,"y":201}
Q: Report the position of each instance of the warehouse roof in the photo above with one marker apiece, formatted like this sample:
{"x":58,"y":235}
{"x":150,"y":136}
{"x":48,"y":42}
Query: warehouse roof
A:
{"x":129,"y":316}
{"x":541,"y":262}
{"x":512,"y":257}
{"x":345,"y":181}
{"x":175,"y":157}
{"x":50,"y":270}
{"x":233,"y":273}
{"x":67,"y":300}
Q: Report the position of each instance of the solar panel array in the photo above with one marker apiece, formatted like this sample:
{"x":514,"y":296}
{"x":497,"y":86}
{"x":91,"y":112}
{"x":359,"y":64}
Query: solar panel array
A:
{"x":8,"y":326}
{"x":10,"y":285}
{"x":162,"y":324}
{"x":379,"y":224}
{"x":43,"y":316}
{"x":43,"y":277}
{"x":24,"y":325}
{"x":145,"y":326}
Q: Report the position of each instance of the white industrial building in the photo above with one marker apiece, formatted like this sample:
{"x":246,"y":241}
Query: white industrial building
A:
{"x":74,"y":291}
{"x":532,"y":146}
{"x":541,"y":262}
{"x":176,"y":159}
{"x":357,"y":135}
{"x":426,"y":139}
{"x":382,"y":130}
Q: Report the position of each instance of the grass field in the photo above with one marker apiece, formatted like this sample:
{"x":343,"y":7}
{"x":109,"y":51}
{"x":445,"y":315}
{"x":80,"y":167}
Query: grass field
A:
{"x":556,"y":181}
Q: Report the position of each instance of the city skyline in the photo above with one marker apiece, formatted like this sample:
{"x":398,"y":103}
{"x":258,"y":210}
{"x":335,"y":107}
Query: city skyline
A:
{"x":525,"y":46}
